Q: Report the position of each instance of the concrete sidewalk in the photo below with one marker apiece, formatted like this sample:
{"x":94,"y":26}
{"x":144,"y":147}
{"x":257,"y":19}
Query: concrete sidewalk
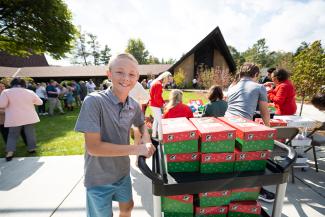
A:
{"x":52,"y":186}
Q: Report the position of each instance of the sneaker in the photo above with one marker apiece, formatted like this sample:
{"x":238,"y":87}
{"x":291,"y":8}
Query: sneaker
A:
{"x":266,"y":196}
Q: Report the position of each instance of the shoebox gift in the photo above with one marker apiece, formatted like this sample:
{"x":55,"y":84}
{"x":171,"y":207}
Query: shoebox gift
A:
{"x":217,"y":162}
{"x":179,"y":136}
{"x":243,"y":194}
{"x":215,"y":211}
{"x":188,"y":162}
{"x":244,"y":209}
{"x":273,"y":122}
{"x":177,"y":205}
{"x":217,"y":198}
{"x":215,"y":135}
{"x":250,"y":161}
{"x":251,"y":136}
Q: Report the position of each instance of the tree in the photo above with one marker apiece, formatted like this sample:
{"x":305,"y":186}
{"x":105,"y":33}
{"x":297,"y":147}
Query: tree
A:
{"x":259,"y":54}
{"x":153,"y":60}
{"x":94,"y":45}
{"x":236,"y":55}
{"x":179,"y":78}
{"x":105,"y":55}
{"x":87,"y":50}
{"x":309,"y":70}
{"x":138,"y":50}
{"x":35,"y":27}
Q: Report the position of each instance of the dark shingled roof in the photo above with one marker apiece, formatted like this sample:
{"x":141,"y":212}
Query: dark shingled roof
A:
{"x":219,"y":42}
{"x":18,"y":62}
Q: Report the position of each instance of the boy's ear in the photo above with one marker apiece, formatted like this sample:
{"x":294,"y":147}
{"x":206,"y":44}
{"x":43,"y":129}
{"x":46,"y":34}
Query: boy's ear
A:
{"x":109,"y":74}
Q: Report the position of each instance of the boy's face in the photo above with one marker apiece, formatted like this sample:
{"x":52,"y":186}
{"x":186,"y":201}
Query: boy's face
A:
{"x":124,"y":75}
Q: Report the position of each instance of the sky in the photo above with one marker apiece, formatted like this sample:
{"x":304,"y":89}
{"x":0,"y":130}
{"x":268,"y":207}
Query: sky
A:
{"x":170,"y":28}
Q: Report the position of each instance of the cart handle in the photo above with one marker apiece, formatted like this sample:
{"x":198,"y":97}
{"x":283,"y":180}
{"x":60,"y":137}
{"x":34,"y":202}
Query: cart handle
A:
{"x":289,"y":159}
{"x":156,"y":178}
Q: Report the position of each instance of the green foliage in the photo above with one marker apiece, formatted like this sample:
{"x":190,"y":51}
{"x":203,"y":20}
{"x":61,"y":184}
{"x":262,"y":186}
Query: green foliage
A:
{"x":213,"y":76}
{"x":138,"y":50}
{"x":309,"y":70}
{"x":236,"y":55}
{"x":259,"y":53}
{"x":87,"y":51}
{"x":7,"y":80}
{"x":179,"y":78}
{"x":35,"y":27}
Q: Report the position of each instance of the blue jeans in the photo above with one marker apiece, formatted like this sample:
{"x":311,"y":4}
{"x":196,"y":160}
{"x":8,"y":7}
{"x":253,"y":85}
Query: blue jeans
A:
{"x":99,"y":198}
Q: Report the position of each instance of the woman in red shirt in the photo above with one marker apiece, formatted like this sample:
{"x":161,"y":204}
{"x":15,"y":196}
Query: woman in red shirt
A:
{"x":283,"y":95}
{"x":175,"y":108}
{"x":156,"y":102}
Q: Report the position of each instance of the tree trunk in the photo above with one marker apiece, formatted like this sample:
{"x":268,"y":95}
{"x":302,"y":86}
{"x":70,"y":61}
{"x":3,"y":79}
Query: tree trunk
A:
{"x":302,"y":104}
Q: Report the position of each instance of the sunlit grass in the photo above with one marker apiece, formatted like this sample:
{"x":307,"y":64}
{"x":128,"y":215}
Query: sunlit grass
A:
{"x":56,"y":136}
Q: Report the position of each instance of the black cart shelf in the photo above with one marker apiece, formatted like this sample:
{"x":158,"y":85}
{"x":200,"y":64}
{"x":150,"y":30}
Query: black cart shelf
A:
{"x":167,"y":184}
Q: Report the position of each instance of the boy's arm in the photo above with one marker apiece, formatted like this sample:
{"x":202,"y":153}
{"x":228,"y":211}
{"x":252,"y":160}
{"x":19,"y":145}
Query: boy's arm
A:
{"x":96,"y":147}
{"x":264,"y":112}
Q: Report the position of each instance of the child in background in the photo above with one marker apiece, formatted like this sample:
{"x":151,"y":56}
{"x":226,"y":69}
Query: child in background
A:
{"x":217,"y":107}
{"x":175,"y":108}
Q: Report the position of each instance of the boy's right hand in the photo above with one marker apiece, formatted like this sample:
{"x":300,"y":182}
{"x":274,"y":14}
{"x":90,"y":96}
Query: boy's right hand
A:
{"x":147,"y":149}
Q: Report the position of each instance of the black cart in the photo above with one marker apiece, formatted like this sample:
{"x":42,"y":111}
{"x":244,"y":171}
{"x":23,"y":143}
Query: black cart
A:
{"x":167,"y":184}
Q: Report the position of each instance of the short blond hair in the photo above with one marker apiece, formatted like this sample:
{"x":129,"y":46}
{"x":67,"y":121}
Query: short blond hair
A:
{"x":121,"y":56}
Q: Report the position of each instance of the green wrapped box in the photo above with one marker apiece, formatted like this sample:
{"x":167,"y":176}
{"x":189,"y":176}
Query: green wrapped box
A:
{"x":183,"y":162}
{"x":217,"y":163}
{"x":244,"y":209}
{"x":254,"y":145}
{"x":176,"y":214}
{"x":177,"y":204}
{"x":244,"y":194}
{"x":250,"y":161}
{"x":215,"y":211}
{"x":218,"y":146}
{"x":217,"y":198}
{"x":187,"y":146}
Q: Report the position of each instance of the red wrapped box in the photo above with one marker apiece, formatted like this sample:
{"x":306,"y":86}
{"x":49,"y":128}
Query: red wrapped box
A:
{"x":178,"y":129}
{"x":215,"y":211}
{"x":250,"y":161}
{"x":217,"y":163}
{"x":273,"y":122}
{"x":183,"y":162}
{"x":215,"y":135}
{"x":244,"y":209}
{"x":248,"y":130}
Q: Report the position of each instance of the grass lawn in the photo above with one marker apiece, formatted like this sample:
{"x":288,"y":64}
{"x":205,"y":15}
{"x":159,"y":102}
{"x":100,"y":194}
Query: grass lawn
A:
{"x":55,"y":135}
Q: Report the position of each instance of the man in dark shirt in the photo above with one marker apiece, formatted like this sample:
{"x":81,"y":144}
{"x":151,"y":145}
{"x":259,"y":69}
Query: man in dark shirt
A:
{"x":53,"y":97}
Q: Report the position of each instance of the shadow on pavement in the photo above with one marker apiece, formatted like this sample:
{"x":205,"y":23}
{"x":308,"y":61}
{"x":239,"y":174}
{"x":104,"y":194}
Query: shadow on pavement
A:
{"x":142,"y":185}
{"x":13,"y":173}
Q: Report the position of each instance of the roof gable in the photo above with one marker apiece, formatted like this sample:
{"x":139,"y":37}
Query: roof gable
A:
{"x":215,"y":37}
{"x":8,"y":60}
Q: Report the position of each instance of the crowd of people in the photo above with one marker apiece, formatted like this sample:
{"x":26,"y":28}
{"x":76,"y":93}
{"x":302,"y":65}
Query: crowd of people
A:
{"x":106,"y":118}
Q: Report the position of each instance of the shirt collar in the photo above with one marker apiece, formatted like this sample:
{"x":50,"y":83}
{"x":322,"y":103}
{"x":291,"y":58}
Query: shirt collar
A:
{"x":116,"y":101}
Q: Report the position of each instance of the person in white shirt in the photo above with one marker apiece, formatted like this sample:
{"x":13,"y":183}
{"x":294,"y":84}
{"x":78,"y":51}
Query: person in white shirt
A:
{"x":90,"y":86}
{"x":41,"y":93}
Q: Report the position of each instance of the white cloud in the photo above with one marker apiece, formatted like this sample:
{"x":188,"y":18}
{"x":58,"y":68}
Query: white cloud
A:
{"x":170,"y":28}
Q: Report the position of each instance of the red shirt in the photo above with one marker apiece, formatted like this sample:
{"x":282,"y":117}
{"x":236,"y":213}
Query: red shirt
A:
{"x":156,"y":99}
{"x":180,"y":110}
{"x":284,"y":98}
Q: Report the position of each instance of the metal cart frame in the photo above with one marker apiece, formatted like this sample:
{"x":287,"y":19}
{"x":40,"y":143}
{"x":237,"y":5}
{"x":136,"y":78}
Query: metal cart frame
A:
{"x":166,"y":184}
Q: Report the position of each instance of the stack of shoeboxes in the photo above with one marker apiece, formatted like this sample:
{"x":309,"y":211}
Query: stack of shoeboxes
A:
{"x":254,"y":143}
{"x":217,"y":143}
{"x":181,"y":152}
{"x":217,"y":152}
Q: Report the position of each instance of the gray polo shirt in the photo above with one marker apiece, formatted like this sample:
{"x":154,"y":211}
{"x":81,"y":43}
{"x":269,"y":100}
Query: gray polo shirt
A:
{"x":244,"y":97}
{"x":103,"y":113}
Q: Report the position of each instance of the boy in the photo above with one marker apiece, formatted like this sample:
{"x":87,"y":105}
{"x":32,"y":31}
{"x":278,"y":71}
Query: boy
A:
{"x":105,"y":119}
